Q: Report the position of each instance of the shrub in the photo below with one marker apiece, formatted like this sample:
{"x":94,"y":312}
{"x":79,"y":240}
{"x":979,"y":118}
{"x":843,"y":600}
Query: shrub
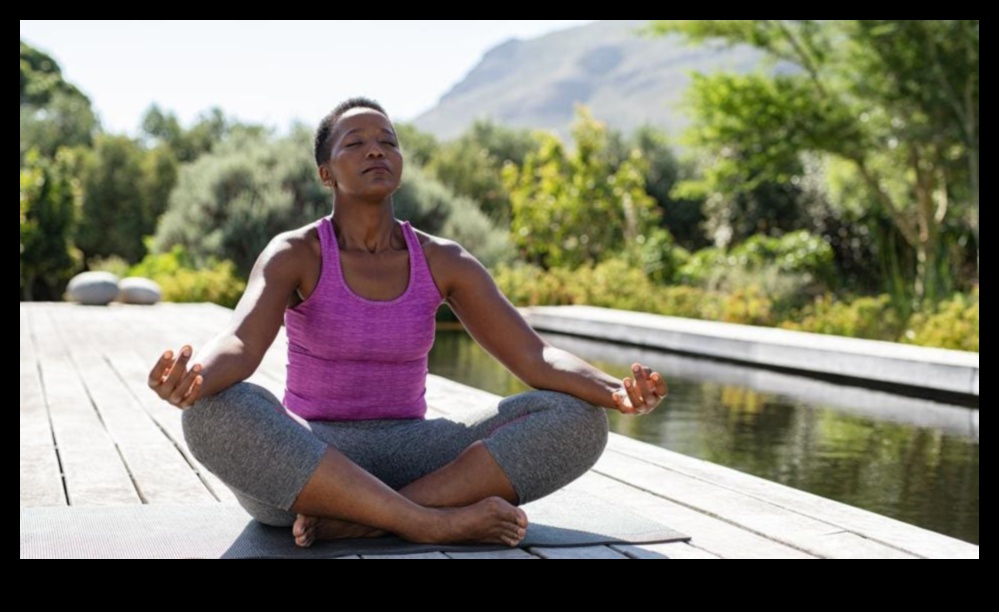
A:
{"x":872,"y":318}
{"x":951,"y":325}
{"x":174,"y":272}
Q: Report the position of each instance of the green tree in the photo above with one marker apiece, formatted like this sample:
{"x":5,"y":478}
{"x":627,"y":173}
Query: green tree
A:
{"x":48,"y":202}
{"x":230,"y":203}
{"x":125,"y":190}
{"x":472,"y":165}
{"x":893,"y":103}
{"x":418,"y":147}
{"x":188,"y":144}
{"x":54,"y":113}
{"x":575,"y":209}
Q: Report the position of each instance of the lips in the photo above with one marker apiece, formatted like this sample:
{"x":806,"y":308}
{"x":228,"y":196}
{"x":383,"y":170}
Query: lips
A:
{"x":377,"y":168}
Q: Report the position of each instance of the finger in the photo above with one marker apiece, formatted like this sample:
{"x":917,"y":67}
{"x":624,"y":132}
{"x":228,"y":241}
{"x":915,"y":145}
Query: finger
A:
{"x":645,"y":385}
{"x":662,"y":389}
{"x":183,"y":388}
{"x":634,"y":394}
{"x":621,"y":403}
{"x":195,"y":394}
{"x":177,"y":371}
{"x":160,"y":370}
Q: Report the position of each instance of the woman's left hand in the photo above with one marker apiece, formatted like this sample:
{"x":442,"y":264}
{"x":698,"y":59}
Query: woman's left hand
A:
{"x":642,"y":393}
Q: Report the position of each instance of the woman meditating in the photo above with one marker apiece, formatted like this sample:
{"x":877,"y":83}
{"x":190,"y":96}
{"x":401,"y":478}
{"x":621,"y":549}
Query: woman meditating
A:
{"x":348,"y":452}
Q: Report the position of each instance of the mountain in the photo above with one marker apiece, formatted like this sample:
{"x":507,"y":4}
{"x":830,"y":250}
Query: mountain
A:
{"x":626,"y":78}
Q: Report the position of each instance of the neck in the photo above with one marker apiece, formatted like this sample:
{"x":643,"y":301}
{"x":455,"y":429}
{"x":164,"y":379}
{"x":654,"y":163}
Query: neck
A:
{"x":365,"y":227}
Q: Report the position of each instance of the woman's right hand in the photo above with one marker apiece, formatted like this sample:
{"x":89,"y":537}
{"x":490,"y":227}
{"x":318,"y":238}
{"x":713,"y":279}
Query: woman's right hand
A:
{"x":173,"y":382}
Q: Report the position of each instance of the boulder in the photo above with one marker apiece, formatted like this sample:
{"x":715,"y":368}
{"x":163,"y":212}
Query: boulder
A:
{"x":139,"y":291}
{"x":93,"y":289}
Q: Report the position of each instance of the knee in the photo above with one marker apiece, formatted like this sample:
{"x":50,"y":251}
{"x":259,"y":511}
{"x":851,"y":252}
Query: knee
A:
{"x":585,"y":424}
{"x":213,"y":424}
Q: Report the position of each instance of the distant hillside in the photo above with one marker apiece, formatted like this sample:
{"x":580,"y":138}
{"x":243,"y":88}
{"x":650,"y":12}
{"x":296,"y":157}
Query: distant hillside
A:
{"x":625,"y":78}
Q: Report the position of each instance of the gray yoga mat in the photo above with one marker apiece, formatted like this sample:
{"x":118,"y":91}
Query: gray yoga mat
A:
{"x":566,"y":519}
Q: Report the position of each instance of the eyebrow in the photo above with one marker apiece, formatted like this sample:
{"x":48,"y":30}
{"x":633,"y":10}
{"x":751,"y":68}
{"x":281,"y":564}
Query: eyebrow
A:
{"x":384,"y":131}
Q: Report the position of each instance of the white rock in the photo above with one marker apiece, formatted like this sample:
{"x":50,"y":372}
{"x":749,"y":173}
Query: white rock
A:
{"x":139,"y":291}
{"x":93,"y":288}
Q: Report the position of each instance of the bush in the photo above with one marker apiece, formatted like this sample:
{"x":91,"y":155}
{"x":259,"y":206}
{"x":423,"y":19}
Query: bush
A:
{"x":869,"y":318}
{"x":952,"y":325}
{"x":174,"y":272}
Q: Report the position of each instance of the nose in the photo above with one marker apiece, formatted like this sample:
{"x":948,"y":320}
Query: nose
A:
{"x":376,"y":151}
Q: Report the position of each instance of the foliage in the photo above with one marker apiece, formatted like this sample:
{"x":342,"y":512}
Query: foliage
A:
{"x":872,"y":318}
{"x":418,"y":147}
{"x":433,"y":208}
{"x":953,"y":324}
{"x":182,"y":281}
{"x":896,"y":101}
{"x":230,"y":203}
{"x":125,"y":190}
{"x":575,"y":209}
{"x":48,"y":202}
{"x":616,"y":284}
{"x":54,"y":113}
{"x":163,"y":129}
{"x":790,"y":270}
{"x":472,"y":165}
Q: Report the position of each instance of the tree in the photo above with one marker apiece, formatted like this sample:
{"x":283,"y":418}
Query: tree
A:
{"x":893,"y":103}
{"x":188,"y":144}
{"x":574,"y":209}
{"x":472,"y":165}
{"x":125,"y":190}
{"x":54,"y":113}
{"x":48,"y":201}
{"x":230,"y":203}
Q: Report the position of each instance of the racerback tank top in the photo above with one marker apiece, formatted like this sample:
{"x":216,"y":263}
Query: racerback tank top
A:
{"x":351,"y":358}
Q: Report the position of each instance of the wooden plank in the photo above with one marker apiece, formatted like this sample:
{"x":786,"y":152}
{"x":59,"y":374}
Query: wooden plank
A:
{"x":94,"y":472}
{"x":41,"y":481}
{"x":664,"y":551}
{"x":714,"y":536}
{"x":893,"y":534}
{"x":420,"y":557}
{"x":516,"y":554}
{"x":40,"y":474}
{"x":586,"y":554}
{"x":750,"y":513}
{"x":161,"y":473}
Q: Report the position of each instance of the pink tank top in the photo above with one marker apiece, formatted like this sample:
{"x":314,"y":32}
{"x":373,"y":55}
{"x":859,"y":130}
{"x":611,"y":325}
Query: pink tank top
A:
{"x":354,"y":359}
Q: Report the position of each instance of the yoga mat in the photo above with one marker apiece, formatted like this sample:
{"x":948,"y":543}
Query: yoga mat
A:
{"x":218,"y":531}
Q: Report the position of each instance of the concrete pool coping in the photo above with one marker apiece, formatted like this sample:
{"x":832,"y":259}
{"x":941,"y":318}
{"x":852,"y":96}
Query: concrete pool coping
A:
{"x":883,"y":363}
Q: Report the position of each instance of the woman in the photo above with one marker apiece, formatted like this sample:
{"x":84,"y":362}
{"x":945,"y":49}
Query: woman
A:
{"x":348,"y":452}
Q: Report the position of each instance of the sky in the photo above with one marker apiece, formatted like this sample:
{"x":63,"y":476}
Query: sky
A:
{"x":269,"y":72}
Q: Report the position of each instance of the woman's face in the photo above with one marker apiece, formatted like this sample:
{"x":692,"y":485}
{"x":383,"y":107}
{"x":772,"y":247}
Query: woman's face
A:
{"x":365,"y":159}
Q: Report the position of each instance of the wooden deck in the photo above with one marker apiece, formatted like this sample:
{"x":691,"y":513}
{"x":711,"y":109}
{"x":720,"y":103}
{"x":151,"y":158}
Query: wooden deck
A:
{"x":92,"y":434}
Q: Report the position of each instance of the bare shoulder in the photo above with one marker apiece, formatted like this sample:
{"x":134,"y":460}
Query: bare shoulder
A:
{"x":450,"y":263}
{"x":295,"y":248}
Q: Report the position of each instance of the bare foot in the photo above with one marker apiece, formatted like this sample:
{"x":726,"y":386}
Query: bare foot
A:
{"x":308,"y":530}
{"x":492,"y":521}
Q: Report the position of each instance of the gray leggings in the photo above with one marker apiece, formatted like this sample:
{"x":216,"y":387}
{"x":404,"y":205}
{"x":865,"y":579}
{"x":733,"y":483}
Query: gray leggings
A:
{"x":542,"y":440}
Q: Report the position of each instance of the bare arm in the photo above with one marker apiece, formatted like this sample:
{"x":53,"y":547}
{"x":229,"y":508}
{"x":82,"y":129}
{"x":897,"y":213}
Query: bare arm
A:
{"x":500,"y":329}
{"x":234,"y":354}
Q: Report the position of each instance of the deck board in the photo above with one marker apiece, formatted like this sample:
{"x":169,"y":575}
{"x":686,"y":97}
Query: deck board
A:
{"x":712,"y":535}
{"x":90,"y":427}
{"x":92,"y":467}
{"x":891,"y":533}
{"x":750,"y":513}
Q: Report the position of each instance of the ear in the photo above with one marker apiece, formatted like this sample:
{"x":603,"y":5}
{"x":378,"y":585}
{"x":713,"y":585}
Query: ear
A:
{"x":326,"y":177}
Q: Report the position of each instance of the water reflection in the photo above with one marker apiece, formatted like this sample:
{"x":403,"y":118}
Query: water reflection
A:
{"x":911,"y":459}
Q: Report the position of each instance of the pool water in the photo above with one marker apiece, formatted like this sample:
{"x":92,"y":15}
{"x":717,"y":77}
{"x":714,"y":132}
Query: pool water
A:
{"x":910,"y":459}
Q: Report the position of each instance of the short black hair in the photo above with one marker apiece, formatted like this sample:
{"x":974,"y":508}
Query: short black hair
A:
{"x":326,"y":127}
